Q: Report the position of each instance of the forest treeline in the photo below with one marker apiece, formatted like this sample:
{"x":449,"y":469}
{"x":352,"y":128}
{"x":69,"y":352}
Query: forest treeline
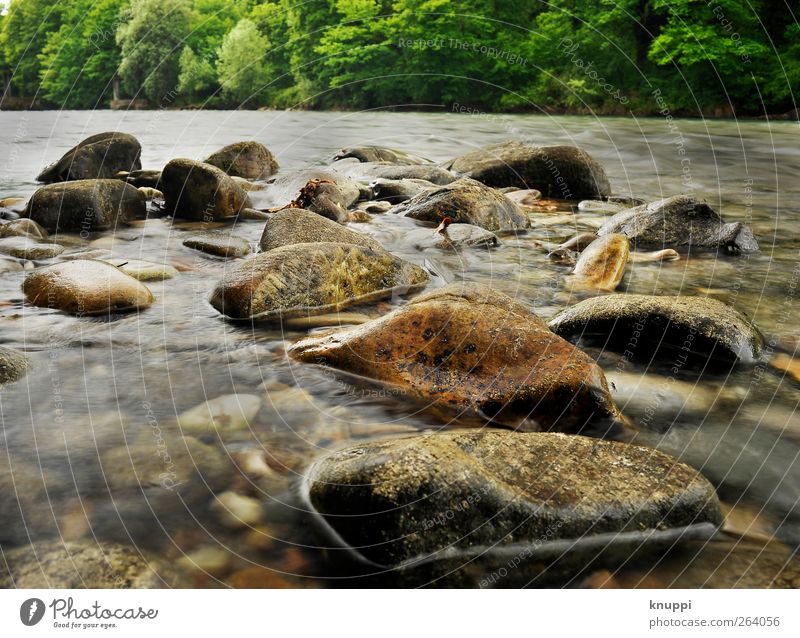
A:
{"x":606,"y":56}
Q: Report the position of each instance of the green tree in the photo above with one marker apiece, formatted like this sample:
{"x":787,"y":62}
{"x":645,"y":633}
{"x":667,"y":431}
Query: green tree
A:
{"x":80,"y":59}
{"x":241,"y":69}
{"x":25,"y":28}
{"x":197,"y":76}
{"x":151,"y":42}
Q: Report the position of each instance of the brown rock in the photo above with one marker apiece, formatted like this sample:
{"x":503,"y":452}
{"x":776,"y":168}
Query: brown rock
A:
{"x":201,"y":191}
{"x":602,"y":263}
{"x":470,"y":349}
{"x":250,"y":160}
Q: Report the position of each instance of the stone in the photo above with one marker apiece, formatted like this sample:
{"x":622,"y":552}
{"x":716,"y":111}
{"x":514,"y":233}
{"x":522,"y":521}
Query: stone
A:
{"x":667,"y":254}
{"x":143,"y":270}
{"x":236,"y":511}
{"x":602,"y":263}
{"x":86,"y":564}
{"x":23,"y":228}
{"x":463,"y":494}
{"x":379,"y":154}
{"x":524,"y":197}
{"x":28,"y":248}
{"x":560,"y":172}
{"x":250,"y":160}
{"x":219,"y":244}
{"x":298,"y":226}
{"x":398,"y":190}
{"x":326,"y":193}
{"x":100,"y":156}
{"x":680,"y":221}
{"x":140,"y":178}
{"x":452,"y":237}
{"x":465,"y":201}
{"x":13,"y":365}
{"x":86,"y":205}
{"x":85,"y":287}
{"x":644,"y":324}
{"x":369,"y":171}
{"x":200,"y":191}
{"x":229,"y":412}
{"x":468,"y":349}
{"x":310,"y":279}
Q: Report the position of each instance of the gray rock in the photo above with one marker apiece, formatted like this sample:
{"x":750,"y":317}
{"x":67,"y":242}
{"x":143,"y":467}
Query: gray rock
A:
{"x":379,"y":154}
{"x":86,"y":564}
{"x":100,"y":156}
{"x":312,"y":279}
{"x":559,"y":172}
{"x":13,"y":365}
{"x":465,"y":201}
{"x":250,"y":160}
{"x":85,"y":205}
{"x":298,"y":226}
{"x":679,"y":221}
{"x":369,"y":171}
{"x":200,"y":191}
{"x":218,"y":243}
{"x":464,"y":494}
{"x":453,"y":237}
{"x":641,"y":325}
{"x":398,"y":190}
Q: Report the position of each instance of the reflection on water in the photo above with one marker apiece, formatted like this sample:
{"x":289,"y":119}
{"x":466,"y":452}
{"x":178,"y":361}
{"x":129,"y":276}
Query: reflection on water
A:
{"x":103,"y":396}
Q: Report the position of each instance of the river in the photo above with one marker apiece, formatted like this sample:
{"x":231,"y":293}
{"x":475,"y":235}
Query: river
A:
{"x":98,"y":386}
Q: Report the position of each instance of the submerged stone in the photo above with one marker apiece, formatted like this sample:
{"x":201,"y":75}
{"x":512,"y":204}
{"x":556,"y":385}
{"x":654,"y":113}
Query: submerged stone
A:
{"x":470,"y":350}
{"x":465,"y":201}
{"x":299,"y":226}
{"x":642,"y":325}
{"x":602,"y":263}
{"x":465,"y":494}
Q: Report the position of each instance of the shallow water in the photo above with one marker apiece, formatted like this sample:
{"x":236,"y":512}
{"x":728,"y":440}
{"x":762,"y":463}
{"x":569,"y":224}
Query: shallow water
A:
{"x":99,"y":385}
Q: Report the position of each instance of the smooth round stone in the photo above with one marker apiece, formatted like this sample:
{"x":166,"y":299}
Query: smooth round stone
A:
{"x":29,"y":248}
{"x":466,"y":494}
{"x":144,"y":270}
{"x":9,"y":265}
{"x":229,"y":412}
{"x":85,"y":287}
{"x":219,"y":244}
{"x":23,"y":228}
{"x":236,"y":511}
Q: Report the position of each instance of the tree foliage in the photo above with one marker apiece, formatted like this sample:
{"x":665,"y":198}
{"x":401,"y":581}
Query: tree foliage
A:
{"x":608,"y":56}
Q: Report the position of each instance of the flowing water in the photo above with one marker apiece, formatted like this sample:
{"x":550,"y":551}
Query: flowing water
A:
{"x":103,"y":395}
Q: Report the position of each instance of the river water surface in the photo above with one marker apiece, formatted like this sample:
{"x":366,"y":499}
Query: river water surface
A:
{"x":103,"y":395}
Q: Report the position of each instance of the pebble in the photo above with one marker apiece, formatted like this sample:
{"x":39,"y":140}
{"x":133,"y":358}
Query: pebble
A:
{"x":229,"y":412}
{"x":236,"y":511}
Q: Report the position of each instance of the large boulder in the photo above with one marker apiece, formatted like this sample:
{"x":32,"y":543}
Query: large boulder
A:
{"x":470,"y":350}
{"x":250,"y":160}
{"x":201,"y":191}
{"x":85,"y":287}
{"x":312,"y":279}
{"x":558,"y":172}
{"x":641,"y":325}
{"x":299,"y":226}
{"x":100,"y":156}
{"x":466,"y":201}
{"x":679,"y":221}
{"x":85,"y":205}
{"x":86,"y":564}
{"x":469,"y":495}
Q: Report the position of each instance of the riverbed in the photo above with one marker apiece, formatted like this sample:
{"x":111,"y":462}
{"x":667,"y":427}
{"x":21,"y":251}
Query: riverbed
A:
{"x":99,"y":387}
